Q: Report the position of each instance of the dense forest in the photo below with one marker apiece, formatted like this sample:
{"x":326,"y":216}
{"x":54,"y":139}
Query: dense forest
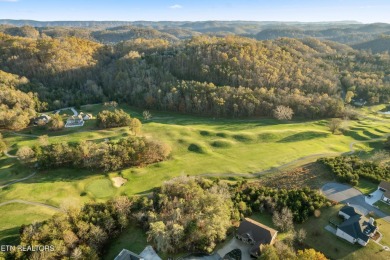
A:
{"x":228,"y":76}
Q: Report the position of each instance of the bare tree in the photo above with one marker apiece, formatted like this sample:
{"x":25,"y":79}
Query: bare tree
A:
{"x":147,"y":115}
{"x":300,"y":235}
{"x":335,"y":125}
{"x":283,"y":113}
{"x":283,"y":219}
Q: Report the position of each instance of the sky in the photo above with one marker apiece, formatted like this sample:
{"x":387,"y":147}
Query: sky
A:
{"x":367,"y":11}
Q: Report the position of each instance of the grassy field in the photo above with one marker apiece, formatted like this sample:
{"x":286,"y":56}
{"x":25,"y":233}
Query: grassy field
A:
{"x":383,"y":206}
{"x":224,"y":148}
{"x":337,"y":248}
{"x":14,"y":215}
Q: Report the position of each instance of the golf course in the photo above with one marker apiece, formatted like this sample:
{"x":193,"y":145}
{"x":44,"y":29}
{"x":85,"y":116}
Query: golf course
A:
{"x":232,"y":149}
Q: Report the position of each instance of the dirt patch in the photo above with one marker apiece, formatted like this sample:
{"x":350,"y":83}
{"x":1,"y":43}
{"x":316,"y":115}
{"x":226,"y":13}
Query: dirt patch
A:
{"x":118,"y":181}
{"x":312,"y":175}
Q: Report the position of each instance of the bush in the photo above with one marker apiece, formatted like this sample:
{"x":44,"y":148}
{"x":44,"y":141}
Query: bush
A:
{"x":109,"y":119}
{"x":350,"y":168}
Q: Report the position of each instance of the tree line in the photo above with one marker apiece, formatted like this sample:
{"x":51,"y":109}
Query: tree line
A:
{"x":107,"y":156}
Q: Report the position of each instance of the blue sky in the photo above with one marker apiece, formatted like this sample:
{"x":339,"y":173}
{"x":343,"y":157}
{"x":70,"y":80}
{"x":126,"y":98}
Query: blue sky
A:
{"x":194,"y":10}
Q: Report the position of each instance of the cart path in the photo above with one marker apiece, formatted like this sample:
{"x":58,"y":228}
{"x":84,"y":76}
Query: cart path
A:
{"x":30,"y":203}
{"x":19,"y":180}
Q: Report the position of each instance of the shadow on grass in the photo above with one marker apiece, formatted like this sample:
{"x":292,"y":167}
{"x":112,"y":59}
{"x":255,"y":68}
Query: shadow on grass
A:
{"x":9,"y":236}
{"x":303,"y":136}
{"x":355,"y":135}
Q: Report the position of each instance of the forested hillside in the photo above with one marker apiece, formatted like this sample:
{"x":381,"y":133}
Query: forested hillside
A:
{"x":378,"y":45}
{"x":220,"y":76}
{"x":16,"y":107}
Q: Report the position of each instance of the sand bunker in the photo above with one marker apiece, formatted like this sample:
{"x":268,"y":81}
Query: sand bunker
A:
{"x":118,"y":181}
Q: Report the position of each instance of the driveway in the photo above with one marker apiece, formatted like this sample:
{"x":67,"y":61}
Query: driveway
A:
{"x":233,"y":244}
{"x":347,"y":194}
{"x":375,"y":196}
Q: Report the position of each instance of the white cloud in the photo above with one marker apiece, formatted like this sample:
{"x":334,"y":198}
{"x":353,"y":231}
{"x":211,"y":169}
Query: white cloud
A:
{"x":176,"y":6}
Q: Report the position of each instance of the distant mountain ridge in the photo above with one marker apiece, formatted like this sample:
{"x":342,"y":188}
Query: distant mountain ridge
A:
{"x":111,"y":32}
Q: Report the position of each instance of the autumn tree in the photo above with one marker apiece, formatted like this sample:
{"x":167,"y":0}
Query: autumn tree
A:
{"x":43,"y":140}
{"x":310,"y":254}
{"x":348,"y":96}
{"x":25,"y":154}
{"x":135,"y":126}
{"x":335,"y":125}
{"x":175,"y":225}
{"x":56,"y":123}
{"x":268,"y":252}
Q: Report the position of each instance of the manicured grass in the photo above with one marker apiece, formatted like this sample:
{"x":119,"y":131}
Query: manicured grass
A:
{"x":14,"y":215}
{"x":11,"y":170}
{"x":366,"y":187}
{"x":383,"y":207}
{"x":337,"y":248}
{"x":132,"y":238}
{"x":225,"y":148}
{"x":100,"y":188}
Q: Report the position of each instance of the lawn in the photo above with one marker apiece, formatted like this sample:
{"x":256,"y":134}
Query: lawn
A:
{"x":383,"y":206}
{"x":11,"y":170}
{"x":14,"y":215}
{"x":209,"y":147}
{"x":337,"y":248}
{"x":133,"y":238}
{"x":366,"y":186}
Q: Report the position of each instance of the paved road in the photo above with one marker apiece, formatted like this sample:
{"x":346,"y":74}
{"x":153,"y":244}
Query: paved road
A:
{"x":30,"y":203}
{"x":347,"y":194}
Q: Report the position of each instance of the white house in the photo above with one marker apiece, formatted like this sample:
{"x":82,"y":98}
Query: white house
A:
{"x":385,"y":187}
{"x":74,"y":121}
{"x":355,"y":228}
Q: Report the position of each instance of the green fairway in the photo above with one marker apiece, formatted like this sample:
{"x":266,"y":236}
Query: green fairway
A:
{"x":209,"y":147}
{"x":14,"y":215}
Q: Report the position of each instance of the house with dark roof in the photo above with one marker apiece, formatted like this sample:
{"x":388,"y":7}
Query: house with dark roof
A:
{"x":355,"y":228}
{"x":42,"y":119}
{"x":255,"y":234}
{"x":385,"y":187}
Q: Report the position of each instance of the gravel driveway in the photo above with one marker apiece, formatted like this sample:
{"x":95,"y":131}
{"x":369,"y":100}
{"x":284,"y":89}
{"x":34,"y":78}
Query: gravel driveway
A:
{"x":347,"y":194}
